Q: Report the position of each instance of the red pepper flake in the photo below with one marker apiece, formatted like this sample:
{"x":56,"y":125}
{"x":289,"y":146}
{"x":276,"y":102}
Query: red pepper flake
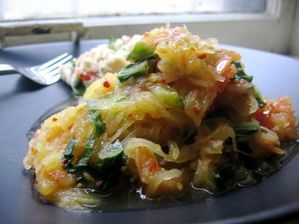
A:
{"x":153,"y":166}
{"x":157,"y":59}
{"x":54,"y":119}
{"x":87,"y":77}
{"x":64,"y":162}
{"x":202,"y":56}
{"x":106,"y":84}
{"x":33,"y":150}
{"x":79,"y":73}
{"x":196,"y":109}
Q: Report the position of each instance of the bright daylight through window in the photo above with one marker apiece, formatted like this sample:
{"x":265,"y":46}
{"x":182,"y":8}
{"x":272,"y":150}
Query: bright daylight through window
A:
{"x":11,"y":10}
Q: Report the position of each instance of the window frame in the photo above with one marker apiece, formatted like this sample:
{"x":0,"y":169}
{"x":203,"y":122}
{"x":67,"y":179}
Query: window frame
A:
{"x":252,"y":30}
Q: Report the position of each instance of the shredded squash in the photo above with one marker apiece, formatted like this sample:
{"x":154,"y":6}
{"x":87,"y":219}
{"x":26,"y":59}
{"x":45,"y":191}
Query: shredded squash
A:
{"x":172,"y":113}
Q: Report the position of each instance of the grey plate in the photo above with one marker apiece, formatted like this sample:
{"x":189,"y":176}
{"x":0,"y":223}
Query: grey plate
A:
{"x":23,"y":102}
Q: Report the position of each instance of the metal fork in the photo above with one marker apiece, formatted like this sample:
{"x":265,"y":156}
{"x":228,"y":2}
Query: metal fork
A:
{"x":44,"y":74}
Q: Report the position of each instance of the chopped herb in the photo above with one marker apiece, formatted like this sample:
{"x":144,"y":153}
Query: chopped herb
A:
{"x":168,"y":96}
{"x":224,"y":174}
{"x":68,"y":155}
{"x":98,"y":123}
{"x":69,"y":148}
{"x":79,"y":88}
{"x":104,"y":174}
{"x":134,"y":70}
{"x":256,"y":93}
{"x":240,"y":74}
{"x":140,"y":68}
{"x":83,"y":161}
{"x":89,"y":147}
{"x":140,"y":51}
{"x":245,"y":129}
{"x":110,"y":151}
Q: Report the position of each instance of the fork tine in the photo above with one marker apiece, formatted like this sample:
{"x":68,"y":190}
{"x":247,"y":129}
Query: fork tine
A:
{"x":57,"y":64}
{"x":51,"y":62}
{"x":54,"y":72}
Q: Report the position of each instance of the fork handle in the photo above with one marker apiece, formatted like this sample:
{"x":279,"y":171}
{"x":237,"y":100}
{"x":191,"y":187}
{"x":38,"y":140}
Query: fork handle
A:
{"x":6,"y":69}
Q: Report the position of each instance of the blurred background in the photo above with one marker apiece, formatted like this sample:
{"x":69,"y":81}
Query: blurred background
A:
{"x":271,"y":25}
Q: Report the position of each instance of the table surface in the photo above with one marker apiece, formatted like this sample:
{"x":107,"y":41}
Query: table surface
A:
{"x":23,"y":102}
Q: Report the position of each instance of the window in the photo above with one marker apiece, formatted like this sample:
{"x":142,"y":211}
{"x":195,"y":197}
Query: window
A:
{"x":261,"y":24}
{"x":11,"y":10}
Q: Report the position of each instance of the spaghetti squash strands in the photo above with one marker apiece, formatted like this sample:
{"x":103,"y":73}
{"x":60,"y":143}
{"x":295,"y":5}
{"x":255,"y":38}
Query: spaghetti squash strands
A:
{"x":165,"y":113}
